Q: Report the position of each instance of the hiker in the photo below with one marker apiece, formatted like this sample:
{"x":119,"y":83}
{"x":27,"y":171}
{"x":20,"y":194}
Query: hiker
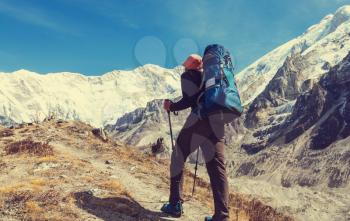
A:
{"x":204,"y":127}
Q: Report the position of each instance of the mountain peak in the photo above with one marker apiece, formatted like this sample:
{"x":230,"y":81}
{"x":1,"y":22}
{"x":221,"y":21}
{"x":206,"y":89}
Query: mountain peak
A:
{"x":23,"y":72}
{"x":150,"y":67}
{"x":332,"y":28}
{"x":341,"y":16}
{"x":344,"y":10}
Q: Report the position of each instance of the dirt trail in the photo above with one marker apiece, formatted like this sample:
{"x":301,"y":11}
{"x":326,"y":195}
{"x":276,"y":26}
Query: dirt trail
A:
{"x":146,"y":192}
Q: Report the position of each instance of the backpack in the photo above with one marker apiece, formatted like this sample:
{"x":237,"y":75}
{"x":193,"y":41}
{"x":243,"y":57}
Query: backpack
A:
{"x":158,"y":147}
{"x":219,"y":88}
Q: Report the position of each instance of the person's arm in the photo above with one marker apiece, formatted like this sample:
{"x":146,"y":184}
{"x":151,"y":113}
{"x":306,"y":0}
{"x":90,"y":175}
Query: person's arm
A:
{"x":186,"y":100}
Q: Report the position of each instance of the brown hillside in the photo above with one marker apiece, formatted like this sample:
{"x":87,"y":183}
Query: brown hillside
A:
{"x":61,"y":171}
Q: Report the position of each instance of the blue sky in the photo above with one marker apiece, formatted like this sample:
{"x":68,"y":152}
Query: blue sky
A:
{"x":96,"y":36}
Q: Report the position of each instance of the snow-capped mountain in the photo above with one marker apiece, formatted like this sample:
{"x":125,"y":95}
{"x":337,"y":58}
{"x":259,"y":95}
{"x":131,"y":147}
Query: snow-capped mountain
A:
{"x":297,"y":75}
{"x":324,"y":44}
{"x":27,"y":96}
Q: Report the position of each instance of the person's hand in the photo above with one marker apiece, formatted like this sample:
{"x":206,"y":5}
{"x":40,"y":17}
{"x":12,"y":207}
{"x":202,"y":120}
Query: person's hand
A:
{"x":166,"y":104}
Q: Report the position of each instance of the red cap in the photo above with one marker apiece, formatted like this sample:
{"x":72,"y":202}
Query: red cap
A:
{"x":193,"y":62}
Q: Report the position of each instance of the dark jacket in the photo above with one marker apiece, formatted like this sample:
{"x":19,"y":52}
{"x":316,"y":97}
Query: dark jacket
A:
{"x":190,"y":85}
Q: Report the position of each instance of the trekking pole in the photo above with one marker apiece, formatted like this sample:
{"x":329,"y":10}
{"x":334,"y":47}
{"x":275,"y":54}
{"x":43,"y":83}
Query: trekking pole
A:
{"x":171,"y":132}
{"x":195,"y":173}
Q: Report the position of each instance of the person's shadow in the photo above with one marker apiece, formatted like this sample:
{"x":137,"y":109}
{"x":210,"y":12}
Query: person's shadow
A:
{"x":115,"y":208}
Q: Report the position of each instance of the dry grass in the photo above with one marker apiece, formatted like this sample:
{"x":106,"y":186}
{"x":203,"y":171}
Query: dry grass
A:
{"x":28,"y":146}
{"x":6,"y":133}
{"x":70,"y":200}
{"x":115,"y":187}
{"x":88,"y":178}
{"x":25,"y":130}
{"x":34,"y":186}
{"x":6,"y":141}
{"x":31,"y":201}
{"x":14,"y":197}
{"x":36,"y":210}
{"x":33,"y":207}
{"x":3,"y":165}
{"x":38,"y":182}
{"x":47,"y":159}
{"x":10,"y":190}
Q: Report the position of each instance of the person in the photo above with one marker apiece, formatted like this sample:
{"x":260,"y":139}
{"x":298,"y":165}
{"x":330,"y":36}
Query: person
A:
{"x":208,"y":133}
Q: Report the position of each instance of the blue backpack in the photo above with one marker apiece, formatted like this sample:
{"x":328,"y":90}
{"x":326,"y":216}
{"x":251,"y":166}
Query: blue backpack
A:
{"x":220,"y":92}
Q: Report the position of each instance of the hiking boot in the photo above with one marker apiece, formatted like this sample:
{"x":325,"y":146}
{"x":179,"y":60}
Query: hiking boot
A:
{"x":173,"y":210}
{"x":208,"y":218}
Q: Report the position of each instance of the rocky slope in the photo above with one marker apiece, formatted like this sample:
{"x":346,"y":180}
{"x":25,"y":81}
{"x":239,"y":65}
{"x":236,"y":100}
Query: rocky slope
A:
{"x":7,"y":122}
{"x":58,"y":170}
{"x":144,"y":125}
{"x":313,"y":141}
